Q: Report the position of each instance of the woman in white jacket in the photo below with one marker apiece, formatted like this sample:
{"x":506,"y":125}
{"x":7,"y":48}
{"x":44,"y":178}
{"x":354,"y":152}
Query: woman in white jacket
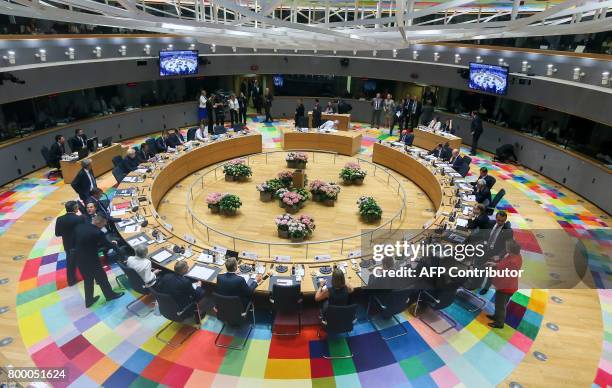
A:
{"x":233,"y":108}
{"x":142,"y":265}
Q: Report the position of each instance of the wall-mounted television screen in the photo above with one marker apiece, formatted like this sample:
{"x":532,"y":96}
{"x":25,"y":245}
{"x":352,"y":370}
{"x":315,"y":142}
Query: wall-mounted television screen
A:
{"x":278,"y":80}
{"x":488,"y":78}
{"x":184,"y":62}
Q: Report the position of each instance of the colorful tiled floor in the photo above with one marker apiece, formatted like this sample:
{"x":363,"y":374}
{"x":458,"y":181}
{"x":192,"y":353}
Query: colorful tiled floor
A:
{"x":106,"y":345}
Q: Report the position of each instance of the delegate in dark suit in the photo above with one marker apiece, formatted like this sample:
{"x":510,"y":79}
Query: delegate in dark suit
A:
{"x":55,"y":154}
{"x":65,"y":227}
{"x":498,"y":246}
{"x":87,"y":239}
{"x":174,"y":140}
{"x":299,"y":114}
{"x":456,"y":162}
{"x":84,"y":182}
{"x":231,"y":284}
{"x":78,"y":142}
{"x":316,"y":115}
{"x":162,"y":144}
{"x":180,"y":289}
{"x":446,"y":153}
{"x":476,"y":129}
{"x":483,"y":196}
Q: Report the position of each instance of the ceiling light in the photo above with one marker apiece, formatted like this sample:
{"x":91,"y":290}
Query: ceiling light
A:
{"x":436,"y":56}
{"x":42,"y":55}
{"x":213,"y":47}
{"x":170,"y":47}
{"x":334,"y":52}
{"x":374,"y":53}
{"x":275,"y":50}
{"x":254,"y":49}
{"x":457,"y":58}
{"x":10,"y":57}
{"x":233,"y":49}
{"x":394,"y":53}
{"x":577,"y":74}
{"x":315,"y":51}
{"x":354,"y":52}
{"x":478,"y":59}
{"x":70,"y":53}
{"x":605,"y":78}
{"x":192,"y":46}
{"x":502,"y":62}
{"x":295,"y":51}
{"x":147,"y":49}
{"x":550,"y":69}
{"x":415,"y":55}
{"x":525,"y":66}
{"x":122,"y":50}
{"x":97,"y":52}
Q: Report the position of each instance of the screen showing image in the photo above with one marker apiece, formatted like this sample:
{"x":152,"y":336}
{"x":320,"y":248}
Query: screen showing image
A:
{"x":278,"y":81}
{"x":178,"y":62}
{"x":488,"y":78}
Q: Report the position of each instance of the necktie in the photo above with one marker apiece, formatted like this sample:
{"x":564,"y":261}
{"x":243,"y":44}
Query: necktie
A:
{"x":493,"y":236}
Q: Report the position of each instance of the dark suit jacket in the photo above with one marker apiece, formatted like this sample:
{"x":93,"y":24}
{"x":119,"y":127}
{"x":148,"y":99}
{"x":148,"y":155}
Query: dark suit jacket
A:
{"x":161,"y":144}
{"x":55,"y":154}
{"x":268,"y":100}
{"x":499,"y":248}
{"x":144,"y":156}
{"x":87,"y":239}
{"x":483,"y":195}
{"x":65,"y":228}
{"x":178,"y":287}
{"x":231,"y":284}
{"x":75,"y":143}
{"x":476,"y":125}
{"x":437,"y":152}
{"x":82,"y":185}
{"x":447,"y":152}
{"x":344,"y":107}
{"x":174,"y":140}
{"x":409,"y":139}
{"x":299,"y":112}
{"x":457,"y":163}
{"x":131,"y":164}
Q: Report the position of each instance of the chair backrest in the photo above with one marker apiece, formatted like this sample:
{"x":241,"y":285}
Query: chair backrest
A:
{"x":464,"y":169}
{"x":491,"y":182}
{"x":45,"y":154}
{"x":467,"y":160}
{"x":396,"y":301}
{"x":152,"y":147}
{"x":191,"y":133}
{"x":135,"y":280}
{"x":340,"y":318}
{"x":167,"y":306}
{"x":446,"y":296}
{"x":219,"y":130}
{"x":119,"y":174}
{"x":500,"y":194}
{"x":286,"y":298}
{"x":229,"y":309}
{"x":118,"y":162}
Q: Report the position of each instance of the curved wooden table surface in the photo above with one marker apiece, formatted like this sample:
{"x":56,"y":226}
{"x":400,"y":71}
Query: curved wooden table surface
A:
{"x":185,"y":163}
{"x":342,"y":142}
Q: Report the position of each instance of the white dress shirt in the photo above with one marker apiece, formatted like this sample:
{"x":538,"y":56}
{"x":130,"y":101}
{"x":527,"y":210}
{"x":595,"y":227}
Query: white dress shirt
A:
{"x":233,"y":104}
{"x":437,"y":126}
{"x":142,"y":266}
{"x":203,"y":100}
{"x":329,"y":124}
{"x":92,"y":180}
{"x":201,"y":134}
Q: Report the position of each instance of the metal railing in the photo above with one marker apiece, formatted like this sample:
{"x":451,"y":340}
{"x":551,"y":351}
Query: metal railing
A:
{"x":384,"y":228}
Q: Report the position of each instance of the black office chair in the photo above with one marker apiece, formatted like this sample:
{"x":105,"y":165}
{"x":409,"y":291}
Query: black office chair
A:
{"x":219,"y":130}
{"x":337,"y":320}
{"x":191,"y":133}
{"x":442,"y":299}
{"x":152,"y":146}
{"x":118,"y":174}
{"x":170,"y":310}
{"x":391,"y":304}
{"x":286,"y":299}
{"x":498,"y":197}
{"x":231,"y":312}
{"x":118,"y":162}
{"x":465,"y":167}
{"x":45,"y":154}
{"x":135,"y":282}
{"x":491,"y":182}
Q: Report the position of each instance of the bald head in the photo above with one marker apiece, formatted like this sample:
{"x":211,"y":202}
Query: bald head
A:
{"x":455,"y":152}
{"x":131,"y":153}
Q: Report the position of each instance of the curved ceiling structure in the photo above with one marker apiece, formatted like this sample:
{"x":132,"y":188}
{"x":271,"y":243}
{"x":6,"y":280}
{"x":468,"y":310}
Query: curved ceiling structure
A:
{"x":328,"y":24}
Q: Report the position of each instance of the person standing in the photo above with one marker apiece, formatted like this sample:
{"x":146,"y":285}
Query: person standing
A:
{"x":268,"y":105}
{"x":389,"y":109}
{"x":398,"y":117}
{"x":202,"y":111}
{"x":415,"y":112}
{"x":84,"y":182}
{"x":256,"y":96}
{"x":209,"y":112}
{"x":299,"y":113}
{"x":316,"y":114}
{"x":505,"y":286}
{"x":242,"y":108}
{"x":233,"y":109}
{"x":476,"y":129}
{"x":377,"y":106}
{"x":426,"y":113}
{"x":87,"y":239}
{"x":65,"y":227}
{"x":219,"y":111}
{"x":57,"y":150}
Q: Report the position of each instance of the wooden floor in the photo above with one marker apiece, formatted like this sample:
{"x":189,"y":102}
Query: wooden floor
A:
{"x":255,"y":219}
{"x":573,"y":351}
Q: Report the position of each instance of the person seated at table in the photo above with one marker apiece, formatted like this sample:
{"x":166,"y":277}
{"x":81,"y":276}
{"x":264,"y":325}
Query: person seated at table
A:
{"x":329,"y":125}
{"x":232,"y":284}
{"x":174,"y":138}
{"x":338,"y":294}
{"x":329,"y":108}
{"x":407,"y":137}
{"x":140,"y":263}
{"x":144,"y":153}
{"x":180,"y":288}
{"x":447,"y":151}
{"x":130,"y":161}
{"x":437,"y":152}
{"x":482,"y":192}
{"x":79,"y":141}
{"x":505,"y":286}
{"x":201,"y":133}
{"x":448,"y":127}
{"x":162,"y":144}
{"x":484,"y":174}
{"x":57,"y":150}
{"x":435,"y":124}
{"x":456,"y":160}
{"x":479,"y":220}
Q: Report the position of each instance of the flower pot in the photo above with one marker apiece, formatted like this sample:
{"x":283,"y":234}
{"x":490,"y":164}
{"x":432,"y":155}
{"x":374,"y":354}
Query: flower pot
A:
{"x":283,"y":233}
{"x":228,"y":212}
{"x":229,"y":178}
{"x":292,"y":209}
{"x":358,"y":181}
{"x":291,"y":164}
{"x":329,"y":202}
{"x":370,"y":218}
{"x":214,"y":209}
{"x":241,"y":178}
{"x":316,"y":197}
{"x":300,"y":164}
{"x":297,"y":239}
{"x":265,"y":196}
{"x":347,"y":181}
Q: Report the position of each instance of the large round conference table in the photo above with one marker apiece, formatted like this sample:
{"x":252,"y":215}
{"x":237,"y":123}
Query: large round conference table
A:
{"x":151,"y":187}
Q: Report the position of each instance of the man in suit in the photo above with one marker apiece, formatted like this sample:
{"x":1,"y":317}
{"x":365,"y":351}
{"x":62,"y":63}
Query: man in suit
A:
{"x":316,"y":114}
{"x":84,"y":182}
{"x":344,"y":107}
{"x":268,"y":97}
{"x":495,"y":243}
{"x":427,"y":113}
{"x":79,"y":141}
{"x":415,"y":111}
{"x":482,"y":192}
{"x":407,"y":137}
{"x":456,"y":160}
{"x":256,"y":96}
{"x":479,"y":223}
{"x":144,"y":153}
{"x":131,"y":161}
{"x":437,"y":152}
{"x":87,"y":239}
{"x":161,"y":143}
{"x":299,"y":113}
{"x":484,"y":174}
{"x":476,"y":130}
{"x":174,"y":138}
{"x":57,"y":150}
{"x":377,"y":108}
{"x":180,"y":288}
{"x":65,"y":228}
{"x":231,"y":284}
{"x":447,"y":152}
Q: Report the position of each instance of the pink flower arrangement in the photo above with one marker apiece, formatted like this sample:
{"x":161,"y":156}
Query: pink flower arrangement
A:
{"x":285,"y":175}
{"x":299,"y":156}
{"x":315,"y":185}
{"x":214,"y":198}
{"x":330,"y":190}
{"x":282,"y":222}
{"x":353,"y":165}
{"x":291,"y":198}
{"x":307,"y":221}
{"x":237,"y":161}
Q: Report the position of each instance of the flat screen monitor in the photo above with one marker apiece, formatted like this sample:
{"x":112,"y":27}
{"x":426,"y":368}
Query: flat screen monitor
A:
{"x":183,"y":62}
{"x":107,"y":141}
{"x":83,"y":152}
{"x":488,"y":78}
{"x":92,"y":144}
{"x":279,"y":81}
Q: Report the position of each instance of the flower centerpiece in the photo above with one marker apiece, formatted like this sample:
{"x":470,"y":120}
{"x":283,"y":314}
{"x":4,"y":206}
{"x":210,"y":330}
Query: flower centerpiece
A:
{"x":369,"y":209}
{"x":237,"y":170}
{"x":292,"y":201}
{"x":212,"y":200}
{"x":352,"y":173}
{"x":286,"y":177}
{"x":229,"y":204}
{"x":268,"y":189}
{"x":308,"y":222}
{"x":296,"y":160}
{"x":315,"y":189}
{"x":282,"y":225}
{"x":329,"y":193}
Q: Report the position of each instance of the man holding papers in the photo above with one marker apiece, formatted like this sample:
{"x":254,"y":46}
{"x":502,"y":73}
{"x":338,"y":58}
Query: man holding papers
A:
{"x":180,"y":287}
{"x":232,"y":284}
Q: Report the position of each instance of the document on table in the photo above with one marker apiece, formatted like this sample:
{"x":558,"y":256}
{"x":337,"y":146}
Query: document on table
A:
{"x":284,"y":282}
{"x":469,"y":198}
{"x":123,"y":224}
{"x":201,"y":272}
{"x":249,"y":255}
{"x":205,"y":258}
{"x":137,"y":241}
{"x":161,"y":256}
{"x":118,"y":213}
{"x":462,"y":222}
{"x":132,"y":229}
